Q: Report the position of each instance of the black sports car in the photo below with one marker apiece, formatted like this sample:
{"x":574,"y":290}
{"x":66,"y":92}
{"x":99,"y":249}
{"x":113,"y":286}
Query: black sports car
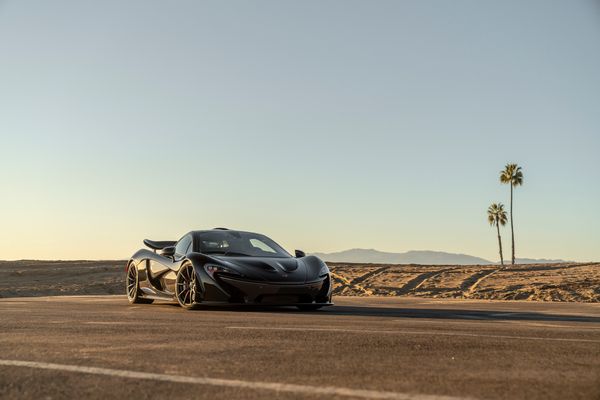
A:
{"x":222,"y":266}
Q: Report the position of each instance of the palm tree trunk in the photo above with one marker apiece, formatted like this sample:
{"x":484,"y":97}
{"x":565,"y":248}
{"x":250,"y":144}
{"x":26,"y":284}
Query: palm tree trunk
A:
{"x":500,"y":244}
{"x":512,"y":229}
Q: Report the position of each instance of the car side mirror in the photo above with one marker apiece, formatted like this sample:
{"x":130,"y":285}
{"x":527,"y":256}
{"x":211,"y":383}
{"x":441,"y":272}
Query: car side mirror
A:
{"x":300,"y":254}
{"x":168,"y":251}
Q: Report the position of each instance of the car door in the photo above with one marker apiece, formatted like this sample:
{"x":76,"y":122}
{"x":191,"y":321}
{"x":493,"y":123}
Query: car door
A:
{"x":182,"y":247}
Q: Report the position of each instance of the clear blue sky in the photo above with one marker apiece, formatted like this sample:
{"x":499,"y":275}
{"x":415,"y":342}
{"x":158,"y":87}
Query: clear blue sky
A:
{"x":324,"y":124}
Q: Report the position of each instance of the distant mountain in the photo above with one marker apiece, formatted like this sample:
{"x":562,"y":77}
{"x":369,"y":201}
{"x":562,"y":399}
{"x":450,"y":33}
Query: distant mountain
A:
{"x":424,"y":257}
{"x":537,"y":261}
{"x":410,"y":257}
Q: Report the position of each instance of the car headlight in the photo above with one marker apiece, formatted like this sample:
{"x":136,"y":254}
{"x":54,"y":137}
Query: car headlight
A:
{"x":324,"y":271}
{"x":211,"y":269}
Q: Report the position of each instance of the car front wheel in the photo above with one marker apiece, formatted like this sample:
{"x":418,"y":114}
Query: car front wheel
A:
{"x":187,"y":288}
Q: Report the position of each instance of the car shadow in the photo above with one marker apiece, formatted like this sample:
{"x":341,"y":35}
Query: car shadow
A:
{"x":455,"y":314}
{"x":407,"y":312}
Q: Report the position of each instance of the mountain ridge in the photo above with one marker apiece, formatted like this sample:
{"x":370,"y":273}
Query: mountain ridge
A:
{"x":425,"y":257}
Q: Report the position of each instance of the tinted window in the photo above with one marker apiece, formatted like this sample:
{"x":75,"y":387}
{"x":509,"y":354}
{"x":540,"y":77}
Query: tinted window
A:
{"x":235,"y":243}
{"x":183,"y":245}
{"x":259,"y":244}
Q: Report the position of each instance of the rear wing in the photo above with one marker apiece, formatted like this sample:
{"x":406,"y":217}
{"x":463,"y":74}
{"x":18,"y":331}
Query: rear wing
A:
{"x":159,"y":244}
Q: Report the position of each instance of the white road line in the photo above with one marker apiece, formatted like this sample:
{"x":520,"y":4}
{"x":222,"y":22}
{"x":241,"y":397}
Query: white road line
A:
{"x":308,"y":329}
{"x":517,"y":322}
{"x":272,"y":386}
{"x":543,"y":325}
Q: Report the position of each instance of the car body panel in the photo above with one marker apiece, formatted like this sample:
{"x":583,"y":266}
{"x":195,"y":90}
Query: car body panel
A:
{"x":247,"y":280}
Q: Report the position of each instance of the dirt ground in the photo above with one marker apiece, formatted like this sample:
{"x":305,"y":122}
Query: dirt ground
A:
{"x":52,"y":278}
{"x":543,"y":282}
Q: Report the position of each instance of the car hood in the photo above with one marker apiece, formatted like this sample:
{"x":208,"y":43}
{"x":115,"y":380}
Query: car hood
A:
{"x":270,"y":269}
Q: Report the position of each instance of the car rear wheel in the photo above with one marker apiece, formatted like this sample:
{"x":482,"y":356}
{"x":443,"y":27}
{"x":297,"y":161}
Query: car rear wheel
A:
{"x":133,"y":286}
{"x":187,"y":288}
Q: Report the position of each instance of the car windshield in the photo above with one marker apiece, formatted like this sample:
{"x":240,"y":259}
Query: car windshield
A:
{"x":233,"y":243}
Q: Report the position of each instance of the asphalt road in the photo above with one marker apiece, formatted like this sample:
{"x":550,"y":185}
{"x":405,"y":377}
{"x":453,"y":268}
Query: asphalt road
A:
{"x":396,"y":348}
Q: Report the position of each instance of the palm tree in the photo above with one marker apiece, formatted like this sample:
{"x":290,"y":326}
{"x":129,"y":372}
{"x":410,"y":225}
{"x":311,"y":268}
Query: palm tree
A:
{"x":497,"y":216}
{"x":512,"y":175}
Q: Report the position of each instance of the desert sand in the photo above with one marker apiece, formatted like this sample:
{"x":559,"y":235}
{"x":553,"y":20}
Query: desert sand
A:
{"x":571,"y":282}
{"x":542,"y":282}
{"x":52,"y":278}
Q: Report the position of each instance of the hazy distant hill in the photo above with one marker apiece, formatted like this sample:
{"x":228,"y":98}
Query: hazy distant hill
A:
{"x":424,"y":257}
{"x":536,"y":261}
{"x":410,"y":257}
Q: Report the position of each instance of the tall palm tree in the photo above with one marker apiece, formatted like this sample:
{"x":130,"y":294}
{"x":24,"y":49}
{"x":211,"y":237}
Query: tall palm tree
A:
{"x":497,"y":216}
{"x":512,"y":175}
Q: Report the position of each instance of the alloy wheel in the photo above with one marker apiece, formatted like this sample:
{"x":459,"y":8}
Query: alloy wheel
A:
{"x":187,"y":287}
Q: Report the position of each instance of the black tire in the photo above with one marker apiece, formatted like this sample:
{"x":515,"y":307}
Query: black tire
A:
{"x":309,"y":307}
{"x":187,"y":289}
{"x":132,"y":286}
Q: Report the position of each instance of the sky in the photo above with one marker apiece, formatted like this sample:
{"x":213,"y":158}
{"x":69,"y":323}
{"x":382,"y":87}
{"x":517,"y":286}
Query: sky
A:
{"x":326,"y":125}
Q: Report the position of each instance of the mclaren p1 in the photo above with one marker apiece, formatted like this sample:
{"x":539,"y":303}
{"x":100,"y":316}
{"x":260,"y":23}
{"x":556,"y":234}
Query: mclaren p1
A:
{"x":222,"y":266}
